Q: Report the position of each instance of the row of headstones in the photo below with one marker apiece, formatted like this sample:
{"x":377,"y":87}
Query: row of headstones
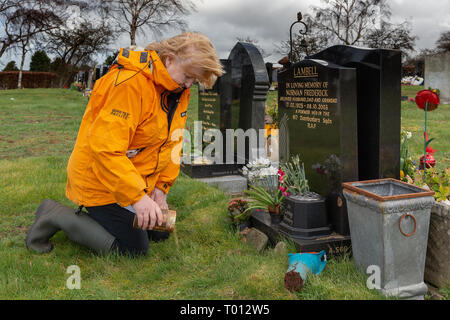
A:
{"x":339,"y":110}
{"x":83,"y":76}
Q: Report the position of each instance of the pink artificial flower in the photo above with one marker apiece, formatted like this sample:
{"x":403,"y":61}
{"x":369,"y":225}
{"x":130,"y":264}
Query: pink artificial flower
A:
{"x":283,"y":189}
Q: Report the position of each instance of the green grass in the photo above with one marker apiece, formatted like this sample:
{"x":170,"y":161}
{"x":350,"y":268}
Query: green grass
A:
{"x":210,"y":262}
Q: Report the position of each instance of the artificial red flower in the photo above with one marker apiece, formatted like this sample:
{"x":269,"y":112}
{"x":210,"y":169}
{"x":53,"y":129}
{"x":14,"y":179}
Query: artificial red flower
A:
{"x":430,"y":150}
{"x":425,"y":96}
{"x":431,"y":161}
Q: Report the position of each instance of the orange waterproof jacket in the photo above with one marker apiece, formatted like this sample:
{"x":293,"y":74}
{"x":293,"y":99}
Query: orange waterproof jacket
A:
{"x":128,"y":141}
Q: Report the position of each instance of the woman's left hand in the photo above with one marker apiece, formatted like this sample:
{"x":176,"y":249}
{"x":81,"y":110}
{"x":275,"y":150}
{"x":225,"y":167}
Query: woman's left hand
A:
{"x":160,"y":197}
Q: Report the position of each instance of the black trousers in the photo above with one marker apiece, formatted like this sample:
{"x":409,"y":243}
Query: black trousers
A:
{"x":119,"y":222}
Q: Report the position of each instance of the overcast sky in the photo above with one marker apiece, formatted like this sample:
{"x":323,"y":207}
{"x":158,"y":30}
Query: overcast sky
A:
{"x":268,"y":21}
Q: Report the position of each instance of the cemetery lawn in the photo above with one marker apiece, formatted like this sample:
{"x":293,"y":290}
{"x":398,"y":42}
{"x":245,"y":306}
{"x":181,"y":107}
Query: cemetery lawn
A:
{"x":206,"y":260}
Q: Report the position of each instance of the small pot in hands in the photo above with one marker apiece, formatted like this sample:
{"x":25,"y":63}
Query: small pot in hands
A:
{"x":168,"y":223}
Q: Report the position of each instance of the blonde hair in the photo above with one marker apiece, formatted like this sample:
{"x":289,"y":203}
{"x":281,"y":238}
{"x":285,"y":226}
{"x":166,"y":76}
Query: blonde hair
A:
{"x":195,"y":50}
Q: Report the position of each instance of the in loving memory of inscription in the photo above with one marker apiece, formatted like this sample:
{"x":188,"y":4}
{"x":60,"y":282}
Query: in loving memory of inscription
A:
{"x":311,"y":100}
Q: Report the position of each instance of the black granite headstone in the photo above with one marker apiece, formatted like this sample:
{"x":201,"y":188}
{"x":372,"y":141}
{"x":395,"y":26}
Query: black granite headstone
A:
{"x":317,"y":109}
{"x":214,"y":111}
{"x":318,"y":121}
{"x":378,"y":99}
{"x":250,"y":83}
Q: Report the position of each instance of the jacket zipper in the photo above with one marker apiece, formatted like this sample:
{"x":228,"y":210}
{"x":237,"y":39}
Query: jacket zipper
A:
{"x":169,"y":122}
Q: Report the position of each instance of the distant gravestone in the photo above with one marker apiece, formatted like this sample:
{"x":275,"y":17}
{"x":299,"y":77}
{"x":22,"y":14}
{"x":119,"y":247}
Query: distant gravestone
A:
{"x":250,"y":83}
{"x":437,"y":74}
{"x":318,"y":118}
{"x":378,"y":74}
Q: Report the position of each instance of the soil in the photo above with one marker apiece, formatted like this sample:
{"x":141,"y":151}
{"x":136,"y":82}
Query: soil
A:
{"x":293,"y":281}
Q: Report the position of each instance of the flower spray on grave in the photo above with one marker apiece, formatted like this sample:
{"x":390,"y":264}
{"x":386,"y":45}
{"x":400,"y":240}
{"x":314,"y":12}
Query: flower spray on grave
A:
{"x":305,"y":213}
{"x":292,"y":177}
{"x":264,"y":192}
{"x":293,"y":182}
{"x":427,"y":100}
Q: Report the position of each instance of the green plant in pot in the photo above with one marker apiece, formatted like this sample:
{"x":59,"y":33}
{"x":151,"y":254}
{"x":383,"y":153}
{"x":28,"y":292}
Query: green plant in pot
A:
{"x":266,"y":196}
{"x":305,"y":213}
{"x":292,"y":177}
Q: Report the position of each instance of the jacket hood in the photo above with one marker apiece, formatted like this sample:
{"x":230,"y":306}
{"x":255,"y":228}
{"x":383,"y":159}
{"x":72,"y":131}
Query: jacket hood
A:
{"x":149,"y":64}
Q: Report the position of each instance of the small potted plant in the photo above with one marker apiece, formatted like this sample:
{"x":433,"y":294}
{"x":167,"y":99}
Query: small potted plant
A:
{"x":266,"y":196}
{"x":238,"y":213}
{"x":305,"y":211}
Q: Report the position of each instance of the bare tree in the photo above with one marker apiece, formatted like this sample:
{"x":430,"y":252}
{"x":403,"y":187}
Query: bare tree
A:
{"x":392,"y":36}
{"x":76,"y":47}
{"x":28,"y":22}
{"x":7,"y":4}
{"x":443,"y":43}
{"x":83,"y":34}
{"x":350,"y":20}
{"x":134,"y":16}
{"x":23,"y":20}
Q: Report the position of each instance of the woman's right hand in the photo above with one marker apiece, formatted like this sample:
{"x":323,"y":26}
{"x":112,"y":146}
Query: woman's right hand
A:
{"x":148,"y":213}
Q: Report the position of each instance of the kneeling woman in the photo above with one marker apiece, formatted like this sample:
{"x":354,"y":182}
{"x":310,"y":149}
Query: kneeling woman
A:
{"x":122,"y":164}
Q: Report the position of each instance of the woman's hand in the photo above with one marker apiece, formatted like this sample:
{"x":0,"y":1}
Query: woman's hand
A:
{"x":148,"y":213}
{"x":160,"y":197}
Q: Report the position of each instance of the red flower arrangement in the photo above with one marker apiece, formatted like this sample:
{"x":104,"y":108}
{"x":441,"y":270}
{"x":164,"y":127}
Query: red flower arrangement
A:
{"x":283,"y":188}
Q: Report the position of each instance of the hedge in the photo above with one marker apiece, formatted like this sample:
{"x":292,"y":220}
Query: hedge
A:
{"x":30,"y":79}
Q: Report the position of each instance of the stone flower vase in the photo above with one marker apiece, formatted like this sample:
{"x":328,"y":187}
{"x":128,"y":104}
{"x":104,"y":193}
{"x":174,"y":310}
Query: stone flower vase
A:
{"x":275,"y":214}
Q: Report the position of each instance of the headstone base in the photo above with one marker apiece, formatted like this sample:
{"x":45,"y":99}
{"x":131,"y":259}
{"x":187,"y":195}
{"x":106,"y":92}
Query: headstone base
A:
{"x":232,"y":184}
{"x":210,"y":170}
{"x":334,"y":244}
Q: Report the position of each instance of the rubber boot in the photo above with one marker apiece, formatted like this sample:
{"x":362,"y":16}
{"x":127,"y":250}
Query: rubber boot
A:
{"x":51,"y":216}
